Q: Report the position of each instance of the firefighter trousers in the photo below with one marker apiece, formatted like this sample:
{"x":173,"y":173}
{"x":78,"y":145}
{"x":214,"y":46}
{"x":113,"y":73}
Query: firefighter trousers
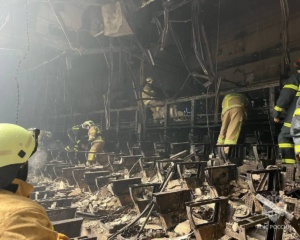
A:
{"x":97,"y":147}
{"x":232,"y":121}
{"x":286,"y":145}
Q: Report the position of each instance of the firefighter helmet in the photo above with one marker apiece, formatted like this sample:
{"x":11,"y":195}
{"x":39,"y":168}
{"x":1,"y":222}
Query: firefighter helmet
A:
{"x":87,"y":124}
{"x":149,"y":80}
{"x":16,"y":146}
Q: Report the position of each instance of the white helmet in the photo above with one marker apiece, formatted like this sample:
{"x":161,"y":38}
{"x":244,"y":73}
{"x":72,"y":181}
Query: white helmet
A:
{"x":149,"y":80}
{"x":87,"y":124}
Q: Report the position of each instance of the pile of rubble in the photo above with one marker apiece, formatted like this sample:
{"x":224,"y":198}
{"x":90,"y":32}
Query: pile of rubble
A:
{"x":186,"y":196}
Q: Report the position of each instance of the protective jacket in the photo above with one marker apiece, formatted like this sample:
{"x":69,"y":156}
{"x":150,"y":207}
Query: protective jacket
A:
{"x":287,"y":101}
{"x":234,"y":100}
{"x":233,"y":115}
{"x":77,"y":136}
{"x":295,"y":128}
{"x":97,"y":142}
{"x":148,"y":94}
{"x":22,"y":218}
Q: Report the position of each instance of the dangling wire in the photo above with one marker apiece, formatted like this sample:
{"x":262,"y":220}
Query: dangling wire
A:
{"x":264,"y":92}
{"x":20,"y":62}
{"x":285,"y":14}
{"x":63,"y":30}
{"x":6,"y":21}
{"x":218,"y":33}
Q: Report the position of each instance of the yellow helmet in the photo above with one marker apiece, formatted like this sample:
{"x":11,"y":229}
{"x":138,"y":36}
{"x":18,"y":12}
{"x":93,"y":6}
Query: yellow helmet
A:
{"x":16,"y":144}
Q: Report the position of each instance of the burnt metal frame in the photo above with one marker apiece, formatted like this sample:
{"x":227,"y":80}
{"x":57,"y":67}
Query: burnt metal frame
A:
{"x":133,"y":187}
{"x":212,"y":230}
{"x":271,"y":178}
{"x":244,"y":225}
{"x":221,"y":189}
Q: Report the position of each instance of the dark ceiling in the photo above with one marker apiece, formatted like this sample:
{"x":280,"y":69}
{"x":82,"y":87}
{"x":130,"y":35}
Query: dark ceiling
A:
{"x":62,"y":58}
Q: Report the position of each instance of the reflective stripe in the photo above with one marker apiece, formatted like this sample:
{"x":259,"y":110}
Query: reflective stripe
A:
{"x":291,"y":86}
{"x":278,"y":109}
{"x":230,"y":142}
{"x":297,"y":112}
{"x":233,"y":100}
{"x":220,"y":141}
{"x":298,"y":94}
{"x":6,"y":152}
{"x":289,"y":160}
{"x":286,"y":145}
{"x":286,"y":124}
{"x":28,"y":142}
{"x":297,"y":148}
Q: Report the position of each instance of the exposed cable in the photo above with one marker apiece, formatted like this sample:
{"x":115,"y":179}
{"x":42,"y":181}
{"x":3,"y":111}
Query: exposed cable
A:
{"x":264,"y":92}
{"x":46,"y":62}
{"x":165,"y":30}
{"x":218,"y":33}
{"x":20,"y":62}
{"x":6,"y":21}
{"x":62,"y":28}
{"x":285,"y":13}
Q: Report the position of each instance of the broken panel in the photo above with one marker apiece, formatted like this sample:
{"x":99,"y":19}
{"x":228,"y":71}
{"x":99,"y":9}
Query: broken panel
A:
{"x":208,"y":217}
{"x":141,"y":194}
{"x":219,"y":177}
{"x":121,"y":189}
{"x":69,"y":227}
{"x":61,"y":213}
{"x":192,"y":173}
{"x":171,"y":206}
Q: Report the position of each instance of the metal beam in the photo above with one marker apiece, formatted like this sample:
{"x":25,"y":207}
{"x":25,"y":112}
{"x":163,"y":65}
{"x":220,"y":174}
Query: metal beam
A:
{"x":77,"y":2}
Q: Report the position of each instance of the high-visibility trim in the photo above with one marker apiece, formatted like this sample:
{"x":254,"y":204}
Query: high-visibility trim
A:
{"x":28,"y":143}
{"x":286,"y":124}
{"x":238,"y":103}
{"x":278,"y":109}
{"x":286,"y":145}
{"x":289,"y":161}
{"x":298,"y":94}
{"x":91,"y":156}
{"x":297,"y":148}
{"x":230,"y":142}
{"x":297,"y":112}
{"x":6,"y":152}
{"x":291,"y":86}
{"x":220,"y":141}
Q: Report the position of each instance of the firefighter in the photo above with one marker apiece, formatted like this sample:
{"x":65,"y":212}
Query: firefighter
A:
{"x":295,"y":130}
{"x":233,"y":114}
{"x":44,"y":137}
{"x":287,"y":99}
{"x":152,"y":95}
{"x":21,"y":218}
{"x":78,"y":138}
{"x":96,"y":140}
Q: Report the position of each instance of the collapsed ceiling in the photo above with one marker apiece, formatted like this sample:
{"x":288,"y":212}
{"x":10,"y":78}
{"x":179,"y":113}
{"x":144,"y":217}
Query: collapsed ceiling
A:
{"x":73,"y":57}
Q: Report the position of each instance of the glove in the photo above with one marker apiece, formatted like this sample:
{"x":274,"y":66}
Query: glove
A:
{"x":67,"y":148}
{"x":277,"y":120}
{"x":76,"y":148}
{"x":61,"y":236}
